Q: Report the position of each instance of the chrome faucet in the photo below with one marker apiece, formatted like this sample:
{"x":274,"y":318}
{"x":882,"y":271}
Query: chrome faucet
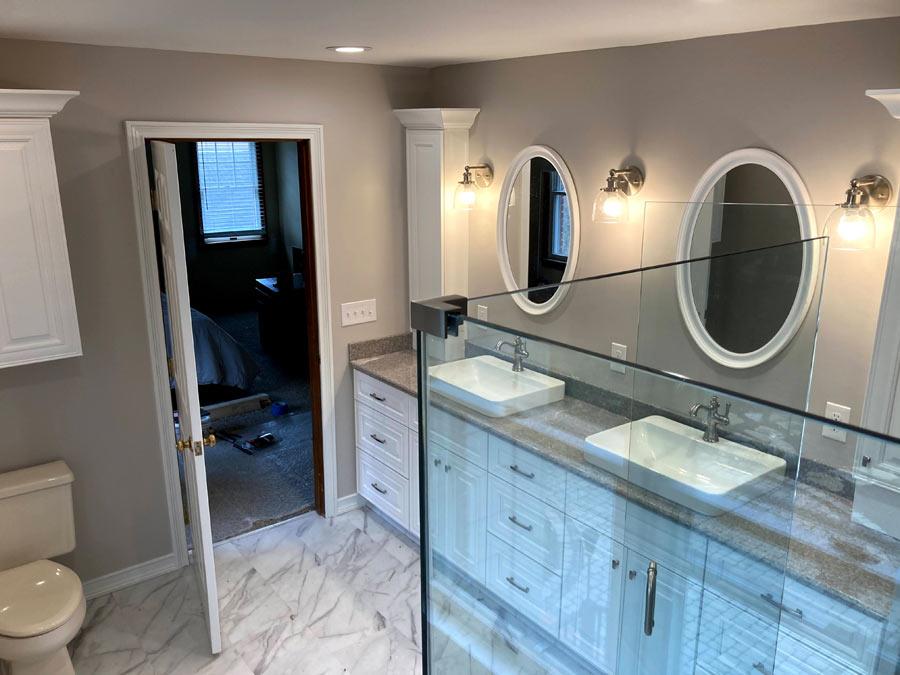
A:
{"x":519,"y":351}
{"x":713,"y":418}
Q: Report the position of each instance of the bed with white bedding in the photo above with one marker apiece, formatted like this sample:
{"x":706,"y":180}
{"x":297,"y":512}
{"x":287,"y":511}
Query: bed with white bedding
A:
{"x":221,"y":359}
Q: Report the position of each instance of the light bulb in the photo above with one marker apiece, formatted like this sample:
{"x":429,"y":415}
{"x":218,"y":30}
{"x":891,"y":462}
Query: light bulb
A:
{"x":851,"y":229}
{"x":465,"y":196}
{"x":610,"y":207}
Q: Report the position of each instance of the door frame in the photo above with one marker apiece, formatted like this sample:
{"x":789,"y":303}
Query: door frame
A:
{"x":137,"y":135}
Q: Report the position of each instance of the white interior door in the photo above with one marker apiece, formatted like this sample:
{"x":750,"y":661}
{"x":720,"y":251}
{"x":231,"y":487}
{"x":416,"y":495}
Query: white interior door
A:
{"x":185,"y":372}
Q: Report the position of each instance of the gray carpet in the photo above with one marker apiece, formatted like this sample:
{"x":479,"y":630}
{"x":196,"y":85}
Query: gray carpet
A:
{"x":248,"y":492}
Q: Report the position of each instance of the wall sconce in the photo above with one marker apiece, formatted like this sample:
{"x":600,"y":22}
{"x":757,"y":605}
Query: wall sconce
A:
{"x":851,"y":225}
{"x":611,"y":205}
{"x":474,"y":176}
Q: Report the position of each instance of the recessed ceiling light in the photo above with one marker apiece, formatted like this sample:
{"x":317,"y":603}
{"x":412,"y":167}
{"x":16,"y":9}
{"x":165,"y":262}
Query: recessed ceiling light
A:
{"x":349,"y":49}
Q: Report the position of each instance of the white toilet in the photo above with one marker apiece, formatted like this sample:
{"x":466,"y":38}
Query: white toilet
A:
{"x":41,"y":602}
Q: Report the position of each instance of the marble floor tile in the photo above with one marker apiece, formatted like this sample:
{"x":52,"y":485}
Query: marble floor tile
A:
{"x":310,"y":595}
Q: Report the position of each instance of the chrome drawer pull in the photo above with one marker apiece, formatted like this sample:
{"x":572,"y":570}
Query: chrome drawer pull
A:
{"x":517,"y":585}
{"x":515,"y":521}
{"x":761,"y":668}
{"x":375,"y":438}
{"x":650,"y":605}
{"x":516,"y":469}
{"x":779,"y":605}
{"x":380,"y":399}
{"x":379,"y":488}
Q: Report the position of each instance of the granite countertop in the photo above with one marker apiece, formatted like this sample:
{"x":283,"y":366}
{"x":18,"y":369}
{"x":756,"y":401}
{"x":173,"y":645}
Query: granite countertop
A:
{"x":802,"y":528}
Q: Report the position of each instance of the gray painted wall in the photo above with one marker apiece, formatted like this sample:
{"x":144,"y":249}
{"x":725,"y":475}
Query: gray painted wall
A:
{"x":673,"y":109}
{"x":97,"y":412}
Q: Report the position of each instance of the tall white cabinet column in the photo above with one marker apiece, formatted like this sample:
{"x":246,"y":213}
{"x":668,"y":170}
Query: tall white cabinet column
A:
{"x":37,"y":305}
{"x":437,"y":149}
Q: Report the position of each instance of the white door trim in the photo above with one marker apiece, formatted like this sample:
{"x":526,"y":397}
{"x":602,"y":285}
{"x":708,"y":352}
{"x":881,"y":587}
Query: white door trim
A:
{"x":138,"y":133}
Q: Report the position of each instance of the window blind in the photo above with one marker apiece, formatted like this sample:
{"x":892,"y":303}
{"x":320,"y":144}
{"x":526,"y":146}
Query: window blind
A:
{"x":231,"y":190}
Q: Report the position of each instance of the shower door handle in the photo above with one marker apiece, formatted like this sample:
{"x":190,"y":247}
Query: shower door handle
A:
{"x":650,"y":605}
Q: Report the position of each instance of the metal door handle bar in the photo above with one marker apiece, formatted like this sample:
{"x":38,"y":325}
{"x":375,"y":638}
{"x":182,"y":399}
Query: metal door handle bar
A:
{"x":779,"y":605}
{"x":650,"y":605}
{"x":516,"y":521}
{"x":517,"y":585}
{"x":516,"y":469}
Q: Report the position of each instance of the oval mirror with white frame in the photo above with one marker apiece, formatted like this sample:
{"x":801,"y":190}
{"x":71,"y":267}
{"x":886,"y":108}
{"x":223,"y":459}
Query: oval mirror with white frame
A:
{"x":538,"y":229}
{"x":746,"y":302}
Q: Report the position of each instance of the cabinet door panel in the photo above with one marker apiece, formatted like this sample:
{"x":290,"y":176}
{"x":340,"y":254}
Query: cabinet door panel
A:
{"x":796,"y":658}
{"x":465,"y":492}
{"x":37,"y":306}
{"x":437,"y":500}
{"x":592,"y":579}
{"x":669,"y":649}
{"x":414,"y":483}
{"x":733,"y":640}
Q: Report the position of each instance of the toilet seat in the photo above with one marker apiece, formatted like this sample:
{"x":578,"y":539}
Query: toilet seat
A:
{"x":37,"y":598}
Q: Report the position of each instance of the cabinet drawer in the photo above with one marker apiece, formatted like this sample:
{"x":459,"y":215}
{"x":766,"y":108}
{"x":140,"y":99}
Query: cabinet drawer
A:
{"x":671,"y":544}
{"x":595,"y":506}
{"x":462,"y":438}
{"x":382,"y":437}
{"x":795,"y":658}
{"x":381,"y":397}
{"x":539,"y":477}
{"x":387,"y":490}
{"x":744,"y":580}
{"x":529,"y":587}
{"x":733,"y":641}
{"x":526,"y":523}
{"x":831,"y":627}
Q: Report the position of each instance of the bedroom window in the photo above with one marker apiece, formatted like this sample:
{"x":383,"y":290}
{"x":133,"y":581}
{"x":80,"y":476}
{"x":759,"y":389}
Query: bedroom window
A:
{"x":229,"y":177}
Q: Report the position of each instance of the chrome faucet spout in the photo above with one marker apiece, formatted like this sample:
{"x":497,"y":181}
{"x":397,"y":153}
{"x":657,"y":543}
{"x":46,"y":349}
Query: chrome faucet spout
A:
{"x":713,"y":419}
{"x":520,"y":353}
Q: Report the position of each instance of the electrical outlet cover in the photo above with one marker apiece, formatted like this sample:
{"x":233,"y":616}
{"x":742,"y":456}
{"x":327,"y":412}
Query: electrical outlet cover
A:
{"x":618,"y":351}
{"x":838,"y":413}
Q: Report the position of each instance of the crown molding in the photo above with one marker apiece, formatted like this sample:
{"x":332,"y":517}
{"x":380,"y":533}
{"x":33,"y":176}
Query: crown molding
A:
{"x":889,"y":98}
{"x":33,"y":102}
{"x":437,"y":118}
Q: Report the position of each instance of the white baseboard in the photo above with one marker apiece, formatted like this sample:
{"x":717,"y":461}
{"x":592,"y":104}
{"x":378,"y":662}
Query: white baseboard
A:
{"x":349,"y":503}
{"x":116,"y":581}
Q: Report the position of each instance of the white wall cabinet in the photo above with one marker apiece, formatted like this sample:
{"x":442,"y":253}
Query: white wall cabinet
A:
{"x":38,"y":321}
{"x":437,"y":149}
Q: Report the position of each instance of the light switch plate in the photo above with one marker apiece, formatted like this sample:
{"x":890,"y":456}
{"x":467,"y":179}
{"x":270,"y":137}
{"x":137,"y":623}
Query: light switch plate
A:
{"x":481,"y":312}
{"x":838,"y":413}
{"x":618,"y":351}
{"x":361,"y":311}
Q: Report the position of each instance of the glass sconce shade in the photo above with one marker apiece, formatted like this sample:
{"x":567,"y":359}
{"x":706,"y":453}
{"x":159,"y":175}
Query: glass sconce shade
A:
{"x":611,"y":204}
{"x":610,"y":207}
{"x":465,"y":196}
{"x":851,"y":228}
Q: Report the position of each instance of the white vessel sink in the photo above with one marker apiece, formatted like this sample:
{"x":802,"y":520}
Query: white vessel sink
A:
{"x":673,"y":460}
{"x":489,"y":385}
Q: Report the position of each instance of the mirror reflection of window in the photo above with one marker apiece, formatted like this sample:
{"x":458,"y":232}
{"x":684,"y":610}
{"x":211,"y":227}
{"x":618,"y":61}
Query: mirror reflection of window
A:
{"x":550,"y":226}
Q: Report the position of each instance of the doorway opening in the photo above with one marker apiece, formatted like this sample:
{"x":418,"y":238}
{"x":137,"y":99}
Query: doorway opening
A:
{"x":245,"y":212}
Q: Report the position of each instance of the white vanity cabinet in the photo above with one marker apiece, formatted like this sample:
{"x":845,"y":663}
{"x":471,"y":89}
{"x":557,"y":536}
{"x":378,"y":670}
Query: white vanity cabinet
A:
{"x":38,"y":321}
{"x":387,"y":450}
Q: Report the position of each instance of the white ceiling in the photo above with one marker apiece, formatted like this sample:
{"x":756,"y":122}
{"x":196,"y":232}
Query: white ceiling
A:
{"x":410,"y":32}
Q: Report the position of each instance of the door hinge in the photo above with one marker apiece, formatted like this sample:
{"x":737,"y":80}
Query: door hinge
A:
{"x":196,"y":446}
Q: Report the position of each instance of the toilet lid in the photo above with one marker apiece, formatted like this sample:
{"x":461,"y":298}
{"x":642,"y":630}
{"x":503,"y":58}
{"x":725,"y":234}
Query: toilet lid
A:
{"x":37,"y":597}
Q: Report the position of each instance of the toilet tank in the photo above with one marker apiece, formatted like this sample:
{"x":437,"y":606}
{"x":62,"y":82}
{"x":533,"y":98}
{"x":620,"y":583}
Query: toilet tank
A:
{"x":36,"y":519}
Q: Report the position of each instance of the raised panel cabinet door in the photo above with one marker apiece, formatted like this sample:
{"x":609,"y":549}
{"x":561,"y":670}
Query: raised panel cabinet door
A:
{"x":592,"y":585}
{"x":670,"y":647}
{"x":38,"y":321}
{"x":437,"y":500}
{"x":466,"y":515}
